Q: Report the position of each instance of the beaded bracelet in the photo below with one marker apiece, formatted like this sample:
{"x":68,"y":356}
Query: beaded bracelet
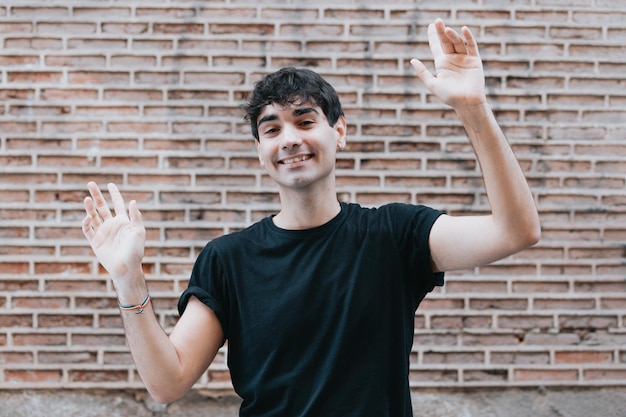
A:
{"x":138,"y":307}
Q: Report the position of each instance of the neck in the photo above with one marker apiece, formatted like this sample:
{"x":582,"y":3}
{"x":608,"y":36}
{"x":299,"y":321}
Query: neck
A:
{"x":300,"y":211}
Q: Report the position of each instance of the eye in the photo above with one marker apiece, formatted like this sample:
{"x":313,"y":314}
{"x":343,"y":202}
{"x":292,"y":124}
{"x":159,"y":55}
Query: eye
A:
{"x":270,"y":131}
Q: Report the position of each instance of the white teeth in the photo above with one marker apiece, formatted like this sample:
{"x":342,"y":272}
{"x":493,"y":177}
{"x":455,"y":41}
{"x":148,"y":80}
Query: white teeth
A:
{"x":296,"y":159}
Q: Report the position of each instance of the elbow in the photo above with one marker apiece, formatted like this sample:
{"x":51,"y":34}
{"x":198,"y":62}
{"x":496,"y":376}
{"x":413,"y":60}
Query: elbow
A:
{"x":531,"y":238}
{"x":521,"y":235}
{"x":530,"y":234}
{"x":535,"y":234}
{"x":164,"y":396}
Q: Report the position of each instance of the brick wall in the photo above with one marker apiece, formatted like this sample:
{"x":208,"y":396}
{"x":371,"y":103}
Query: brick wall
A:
{"x":146,"y":94}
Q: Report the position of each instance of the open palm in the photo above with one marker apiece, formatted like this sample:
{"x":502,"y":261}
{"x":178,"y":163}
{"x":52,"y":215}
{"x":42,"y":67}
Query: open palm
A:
{"x":118,"y":241}
{"x":459,"y":78}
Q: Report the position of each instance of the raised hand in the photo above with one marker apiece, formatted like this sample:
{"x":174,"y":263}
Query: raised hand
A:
{"x":118,"y":241}
{"x":459,"y":79}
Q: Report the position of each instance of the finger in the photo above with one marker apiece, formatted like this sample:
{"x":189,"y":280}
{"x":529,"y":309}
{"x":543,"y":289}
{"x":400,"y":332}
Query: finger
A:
{"x":472,"y":45}
{"x":118,"y":202}
{"x":87,"y":226}
{"x":457,"y":41}
{"x":438,"y":39}
{"x":135,"y":218}
{"x":91,"y":212}
{"x":100,"y":203}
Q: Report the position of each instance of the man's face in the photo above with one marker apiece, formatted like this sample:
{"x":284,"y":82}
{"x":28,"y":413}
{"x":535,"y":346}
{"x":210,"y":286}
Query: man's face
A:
{"x":297,"y":146}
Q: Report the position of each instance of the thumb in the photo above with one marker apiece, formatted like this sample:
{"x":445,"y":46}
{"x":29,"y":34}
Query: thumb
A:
{"x":422,"y":72}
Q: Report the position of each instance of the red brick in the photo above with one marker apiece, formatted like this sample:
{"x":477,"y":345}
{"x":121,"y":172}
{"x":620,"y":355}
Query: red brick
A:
{"x":17,"y":284}
{"x":44,"y":233}
{"x":476,"y":287}
{"x":552,"y":339}
{"x":545,"y":375}
{"x":583,"y":357}
{"x":454,"y":358}
{"x":171,"y":180}
{"x":16,"y":320}
{"x":78,"y":339}
{"x":432,"y":376}
{"x":100,"y":376}
{"x":12,"y":268}
{"x":90,"y":285}
{"x":178,"y":28}
{"x":15,"y":357}
{"x":569,"y":321}
{"x":39,"y":339}
{"x":34,"y":376}
{"x":94,"y":11}
{"x":34,"y":77}
{"x":68,"y":94}
{"x":520,"y":358}
{"x":34,"y":43}
{"x":59,"y":357}
{"x":613,"y":302}
{"x":108,"y":321}
{"x":442,"y":304}
{"x":605,"y":376}
{"x":460,"y":322}
{"x":18,"y":60}
{"x":525,"y":322}
{"x":117,"y":358}
{"x":180,"y":144}
{"x":56,"y":128}
{"x":564,"y":304}
{"x":8,"y":94}
{"x":72,"y":320}
{"x":14,"y":232}
{"x":485,"y":375}
{"x":177,"y":12}
{"x":498,"y":303}
{"x":41,"y":302}
{"x":134,"y":161}
{"x":15,"y":28}
{"x":565,"y":270}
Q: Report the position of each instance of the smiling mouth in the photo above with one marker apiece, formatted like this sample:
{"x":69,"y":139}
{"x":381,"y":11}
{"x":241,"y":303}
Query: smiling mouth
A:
{"x":294,"y":160}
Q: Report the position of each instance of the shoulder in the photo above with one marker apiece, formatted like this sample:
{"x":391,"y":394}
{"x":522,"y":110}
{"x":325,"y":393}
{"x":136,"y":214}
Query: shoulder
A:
{"x":234,"y":241}
{"x":400,"y":220}
{"x":391,"y":212}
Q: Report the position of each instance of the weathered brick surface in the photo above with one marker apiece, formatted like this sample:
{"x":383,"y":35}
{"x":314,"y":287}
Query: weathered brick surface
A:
{"x":147,"y":95}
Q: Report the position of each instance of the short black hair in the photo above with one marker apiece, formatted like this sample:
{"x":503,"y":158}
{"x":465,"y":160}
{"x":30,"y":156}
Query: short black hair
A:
{"x":292,"y":86}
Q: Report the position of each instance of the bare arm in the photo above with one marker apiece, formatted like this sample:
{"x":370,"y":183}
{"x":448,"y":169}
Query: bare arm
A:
{"x":168,"y":365}
{"x":513,"y":225}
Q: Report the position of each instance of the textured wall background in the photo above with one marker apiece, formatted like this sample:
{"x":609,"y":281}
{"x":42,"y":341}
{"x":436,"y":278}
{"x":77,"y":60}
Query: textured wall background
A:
{"x":146,"y":94}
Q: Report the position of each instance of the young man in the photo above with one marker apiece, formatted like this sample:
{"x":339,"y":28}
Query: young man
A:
{"x":317,"y":303}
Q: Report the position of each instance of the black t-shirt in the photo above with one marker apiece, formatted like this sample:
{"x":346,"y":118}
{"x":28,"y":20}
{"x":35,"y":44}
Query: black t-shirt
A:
{"x":319,"y":322}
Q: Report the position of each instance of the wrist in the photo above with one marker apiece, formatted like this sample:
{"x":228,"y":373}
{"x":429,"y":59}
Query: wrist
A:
{"x":478,"y":106}
{"x":474,"y":114}
{"x":137,"y":308}
{"x":131,"y":289}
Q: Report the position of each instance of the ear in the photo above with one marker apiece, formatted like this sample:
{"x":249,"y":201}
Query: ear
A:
{"x":341,"y":132}
{"x":258,"y":144}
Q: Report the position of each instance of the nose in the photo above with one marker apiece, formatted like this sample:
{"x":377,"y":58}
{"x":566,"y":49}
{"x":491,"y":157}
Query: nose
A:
{"x":290,"y":137}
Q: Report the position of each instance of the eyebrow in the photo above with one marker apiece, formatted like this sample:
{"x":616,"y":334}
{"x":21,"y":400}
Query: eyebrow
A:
{"x":296,"y":112}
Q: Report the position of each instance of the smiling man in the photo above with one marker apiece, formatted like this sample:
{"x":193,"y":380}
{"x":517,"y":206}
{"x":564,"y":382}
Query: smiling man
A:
{"x":317,"y":302}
